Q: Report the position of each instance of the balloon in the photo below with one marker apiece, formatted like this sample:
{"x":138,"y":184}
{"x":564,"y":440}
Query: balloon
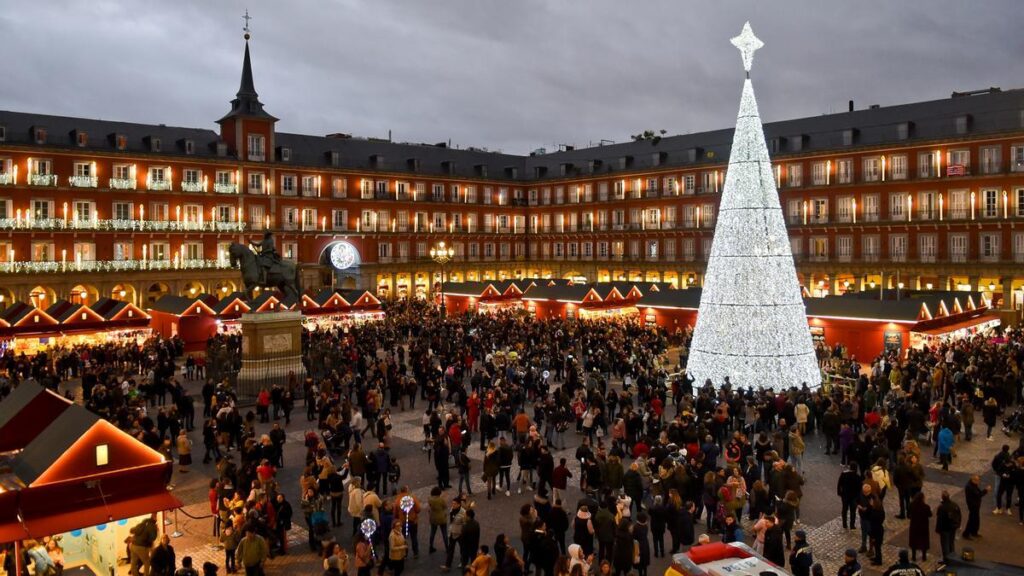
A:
{"x":406,"y":503}
{"x":368,"y":527}
{"x":546,"y":374}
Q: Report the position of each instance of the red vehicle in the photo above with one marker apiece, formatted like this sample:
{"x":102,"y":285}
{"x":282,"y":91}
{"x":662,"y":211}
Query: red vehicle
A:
{"x":718,"y":559}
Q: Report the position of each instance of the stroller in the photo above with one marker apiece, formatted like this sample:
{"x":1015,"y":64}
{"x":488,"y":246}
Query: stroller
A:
{"x":1014,"y":422}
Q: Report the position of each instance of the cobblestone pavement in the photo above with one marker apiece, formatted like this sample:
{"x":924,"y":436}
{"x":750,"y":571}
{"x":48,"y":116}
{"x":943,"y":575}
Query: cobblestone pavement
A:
{"x":819,"y":508}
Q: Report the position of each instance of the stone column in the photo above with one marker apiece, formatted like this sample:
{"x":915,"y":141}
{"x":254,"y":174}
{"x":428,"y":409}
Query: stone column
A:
{"x":975,"y":282}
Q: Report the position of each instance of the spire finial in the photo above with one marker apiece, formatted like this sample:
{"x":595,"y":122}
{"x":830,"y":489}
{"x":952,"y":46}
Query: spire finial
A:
{"x":246,"y":27}
{"x":748,"y":44}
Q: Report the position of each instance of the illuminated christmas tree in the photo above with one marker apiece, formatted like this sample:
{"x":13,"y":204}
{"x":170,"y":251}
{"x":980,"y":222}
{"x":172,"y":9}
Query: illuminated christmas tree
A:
{"x":752,"y":326}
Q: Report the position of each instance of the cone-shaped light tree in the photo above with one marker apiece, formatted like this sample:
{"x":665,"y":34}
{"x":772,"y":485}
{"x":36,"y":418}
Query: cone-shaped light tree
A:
{"x":752,"y":325}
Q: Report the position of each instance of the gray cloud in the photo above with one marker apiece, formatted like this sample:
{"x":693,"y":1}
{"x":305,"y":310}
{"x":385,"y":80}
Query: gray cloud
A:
{"x":506,"y":74}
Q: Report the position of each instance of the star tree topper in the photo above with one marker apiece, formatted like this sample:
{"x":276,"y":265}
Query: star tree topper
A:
{"x":747,"y":44}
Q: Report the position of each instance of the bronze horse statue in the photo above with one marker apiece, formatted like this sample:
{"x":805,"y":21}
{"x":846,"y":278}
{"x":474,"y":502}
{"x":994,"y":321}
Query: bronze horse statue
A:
{"x":283,"y":275}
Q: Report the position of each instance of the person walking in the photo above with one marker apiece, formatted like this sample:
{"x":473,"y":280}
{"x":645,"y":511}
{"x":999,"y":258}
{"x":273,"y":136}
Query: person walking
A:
{"x":397,"y":549}
{"x":920,"y":514}
{"x":945,"y":446}
{"x":973,"y":493}
{"x":438,"y":518}
{"x":947,"y":522}
{"x":801,"y":558}
{"x":252,"y":551}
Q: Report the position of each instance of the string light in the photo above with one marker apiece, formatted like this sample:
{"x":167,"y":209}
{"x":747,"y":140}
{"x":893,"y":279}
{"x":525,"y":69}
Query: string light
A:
{"x":752,"y":326}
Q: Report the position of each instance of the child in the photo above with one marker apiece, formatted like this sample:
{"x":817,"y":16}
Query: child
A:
{"x":229,"y":538}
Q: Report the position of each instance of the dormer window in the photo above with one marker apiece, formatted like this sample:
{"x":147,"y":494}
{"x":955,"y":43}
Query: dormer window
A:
{"x":81,"y":139}
{"x":481,"y":170}
{"x":286,"y":154}
{"x":154,"y":144}
{"x":190,"y":147}
{"x":256,"y":149}
{"x":40,"y":135}
{"x":334,"y":157}
{"x":963,"y":123}
{"x":222,"y":149}
{"x":121,"y":142}
{"x":3,"y":133}
{"x":413,"y":164}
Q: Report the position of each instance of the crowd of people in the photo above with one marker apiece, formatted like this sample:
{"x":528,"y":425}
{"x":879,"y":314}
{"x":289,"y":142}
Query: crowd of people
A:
{"x":661,"y":463}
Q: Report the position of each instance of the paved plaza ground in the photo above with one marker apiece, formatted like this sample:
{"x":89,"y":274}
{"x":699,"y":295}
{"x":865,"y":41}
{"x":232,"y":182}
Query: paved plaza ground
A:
{"x":1000,"y":545}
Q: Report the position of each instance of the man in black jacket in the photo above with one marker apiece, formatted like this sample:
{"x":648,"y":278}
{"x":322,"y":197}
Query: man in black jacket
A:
{"x":848,"y":488}
{"x":801,"y":558}
{"x":1003,"y":465}
{"x":973,"y":493}
{"x":470,"y":539}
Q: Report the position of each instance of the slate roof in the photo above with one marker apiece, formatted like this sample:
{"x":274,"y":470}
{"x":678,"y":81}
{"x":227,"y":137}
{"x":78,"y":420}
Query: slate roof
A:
{"x":61,"y":310}
{"x":689,"y":299}
{"x":222,"y":304}
{"x":905,"y":310}
{"x":108,"y":308}
{"x":992,"y":112}
{"x":574,"y":293}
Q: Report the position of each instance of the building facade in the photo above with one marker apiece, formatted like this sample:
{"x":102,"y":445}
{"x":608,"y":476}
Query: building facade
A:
{"x":927,"y":195}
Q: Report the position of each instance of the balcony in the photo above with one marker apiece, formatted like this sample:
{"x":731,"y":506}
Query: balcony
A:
{"x":381,"y":195}
{"x":106,"y":266}
{"x":257,"y":157}
{"x":187,"y":186}
{"x":652,"y":193}
{"x":220,"y":188}
{"x":122,"y":184}
{"x":309,"y":192}
{"x":83,"y":181}
{"x":958,"y":170}
{"x":288,"y":191}
{"x":160,"y":185}
{"x":688,"y":257}
{"x":6,"y":178}
{"x":42,"y":179}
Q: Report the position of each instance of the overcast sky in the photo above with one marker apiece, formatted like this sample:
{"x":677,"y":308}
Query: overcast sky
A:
{"x":504,"y":74}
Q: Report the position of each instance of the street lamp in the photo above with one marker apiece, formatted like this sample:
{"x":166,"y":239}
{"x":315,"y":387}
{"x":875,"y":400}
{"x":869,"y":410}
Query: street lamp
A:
{"x":442,"y":255}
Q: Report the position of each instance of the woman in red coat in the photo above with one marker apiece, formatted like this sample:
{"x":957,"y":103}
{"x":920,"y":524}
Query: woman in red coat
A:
{"x":473,"y":407}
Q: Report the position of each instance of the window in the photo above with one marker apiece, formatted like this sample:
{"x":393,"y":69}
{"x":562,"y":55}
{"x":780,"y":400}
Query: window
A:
{"x":620,"y":190}
{"x":844,"y":171}
{"x":795,"y":175}
{"x":402,"y":190}
{"x":291,"y":218}
{"x":121,"y":141}
{"x":255,"y":182}
{"x":989,"y":246}
{"x":959,"y":163}
{"x":290,"y":250}
{"x":990,"y":206}
{"x":3,"y":133}
{"x":989,"y":158}
{"x":870,"y":248}
{"x":796,"y":246}
{"x":819,"y":210}
{"x":42,"y":251}
{"x":339,"y":187}
{"x":958,"y":208}
{"x":159,"y":251}
{"x":898,"y":166}
{"x":870,"y":208}
{"x":84,"y":251}
{"x":1019,"y":195}
{"x":437,"y":193}
{"x":819,"y":173}
{"x":926,"y":247}
{"x":190,"y":147}
{"x":689,"y":184}
{"x":1017,"y":158}
{"x":159,"y":211}
{"x":927,"y":165}
{"x":844,"y":248}
{"x":191,"y":176}
{"x":898,"y":206}
{"x":124,"y":251}
{"x":288,"y":184}
{"x":122,"y":211}
{"x":488,"y":195}
{"x":844,"y":209}
{"x":256,"y":147}
{"x":193,"y":251}
{"x":958,"y":247}
{"x":42,"y":209}
{"x":84,"y":211}
{"x":224,"y":213}
{"x":927,"y":206}
{"x":818,"y":248}
{"x":223,"y":178}
{"x":40,"y":134}
{"x":339,"y":219}
{"x":560,"y":195}
{"x":257,"y":217}
{"x":83,"y":169}
{"x":309,"y":218}
{"x":41,"y":167}
{"x":192,"y":213}
{"x":5,"y":212}
{"x":898,"y":247}
{"x":380,"y":189}
{"x":872,"y":169}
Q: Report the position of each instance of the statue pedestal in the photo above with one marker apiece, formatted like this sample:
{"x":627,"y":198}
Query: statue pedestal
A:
{"x":271,"y":351}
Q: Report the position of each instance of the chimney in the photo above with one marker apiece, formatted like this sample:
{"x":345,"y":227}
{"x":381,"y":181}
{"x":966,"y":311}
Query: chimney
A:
{"x":851,"y":105}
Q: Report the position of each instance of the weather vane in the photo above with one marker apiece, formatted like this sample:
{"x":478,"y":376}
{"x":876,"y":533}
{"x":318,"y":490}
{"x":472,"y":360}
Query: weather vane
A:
{"x":246,"y":27}
{"x":748,"y":44}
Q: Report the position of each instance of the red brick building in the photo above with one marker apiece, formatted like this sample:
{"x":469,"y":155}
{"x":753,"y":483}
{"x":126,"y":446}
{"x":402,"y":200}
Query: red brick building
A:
{"x":931,"y":191}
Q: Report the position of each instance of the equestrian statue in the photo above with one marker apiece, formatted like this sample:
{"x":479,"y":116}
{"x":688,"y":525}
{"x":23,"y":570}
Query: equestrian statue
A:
{"x":262,"y":266}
